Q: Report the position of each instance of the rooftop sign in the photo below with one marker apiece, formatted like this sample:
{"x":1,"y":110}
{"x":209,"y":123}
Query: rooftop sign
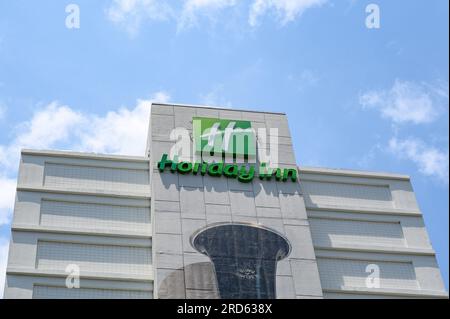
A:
{"x":218,"y":145}
{"x":226,"y":138}
{"x":244,"y":173}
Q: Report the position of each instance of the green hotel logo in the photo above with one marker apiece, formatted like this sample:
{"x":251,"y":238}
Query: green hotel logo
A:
{"x":243,"y":173}
{"x":225,"y":140}
{"x":220,"y":137}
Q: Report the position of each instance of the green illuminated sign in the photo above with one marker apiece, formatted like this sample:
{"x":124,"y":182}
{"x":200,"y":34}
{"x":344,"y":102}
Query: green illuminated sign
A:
{"x":243,"y":173}
{"x":231,"y":138}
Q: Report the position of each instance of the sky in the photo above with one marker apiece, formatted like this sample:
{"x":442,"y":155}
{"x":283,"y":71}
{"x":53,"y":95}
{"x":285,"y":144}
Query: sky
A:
{"x":358,"y":94}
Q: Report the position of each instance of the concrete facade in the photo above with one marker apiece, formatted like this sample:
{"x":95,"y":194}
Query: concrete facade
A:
{"x":359,"y":219}
{"x":183,"y":204}
{"x":128,"y":227}
{"x":86,"y":210}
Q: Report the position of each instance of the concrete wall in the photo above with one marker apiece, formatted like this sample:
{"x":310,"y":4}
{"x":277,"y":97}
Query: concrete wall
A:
{"x":183,"y":204}
{"x":359,"y":220}
{"x":86,"y":210}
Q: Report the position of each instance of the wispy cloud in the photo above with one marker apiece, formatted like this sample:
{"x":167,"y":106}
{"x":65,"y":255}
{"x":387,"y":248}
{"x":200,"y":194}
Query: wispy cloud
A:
{"x":59,"y":126}
{"x":193,"y":9}
{"x":430,"y":160}
{"x":306,"y":79}
{"x":131,"y":14}
{"x":407,"y":102}
{"x":285,"y":10}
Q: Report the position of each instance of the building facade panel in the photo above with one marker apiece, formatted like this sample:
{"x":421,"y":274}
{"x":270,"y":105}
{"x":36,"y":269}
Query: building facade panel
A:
{"x":352,"y":273}
{"x":42,"y":287}
{"x":81,"y":214}
{"x":357,"y":195}
{"x":370,"y":240}
{"x":49,"y":292}
{"x":95,"y":216}
{"x":94,"y":257}
{"x":335,"y":232}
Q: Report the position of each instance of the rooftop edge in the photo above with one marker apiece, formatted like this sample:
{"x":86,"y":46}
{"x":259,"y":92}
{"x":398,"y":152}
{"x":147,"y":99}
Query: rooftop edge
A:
{"x":59,"y":153}
{"x":217,"y":108}
{"x":353,"y":173}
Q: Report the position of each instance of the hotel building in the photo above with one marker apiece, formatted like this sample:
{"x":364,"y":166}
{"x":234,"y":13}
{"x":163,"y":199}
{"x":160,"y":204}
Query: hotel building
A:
{"x":131,"y":227}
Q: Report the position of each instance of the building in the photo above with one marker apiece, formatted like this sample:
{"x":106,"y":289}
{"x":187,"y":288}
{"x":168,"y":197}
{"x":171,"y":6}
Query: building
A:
{"x":161,"y":226}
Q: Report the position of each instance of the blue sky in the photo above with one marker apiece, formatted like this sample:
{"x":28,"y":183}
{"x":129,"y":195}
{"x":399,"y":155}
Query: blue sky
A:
{"x":359,"y":98}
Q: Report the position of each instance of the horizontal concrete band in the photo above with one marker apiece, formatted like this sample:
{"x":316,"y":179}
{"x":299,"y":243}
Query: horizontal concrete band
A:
{"x":75,"y":231}
{"x":380,"y":250}
{"x":80,"y":192}
{"x":86,"y":275}
{"x":95,"y":156}
{"x":362,"y":210}
{"x":352,"y":173}
{"x":389,"y":292}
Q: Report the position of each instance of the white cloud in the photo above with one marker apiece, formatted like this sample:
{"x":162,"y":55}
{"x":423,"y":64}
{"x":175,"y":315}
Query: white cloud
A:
{"x":8,"y":191}
{"x":130,"y":14}
{"x":54,"y":123}
{"x":119,"y":132}
{"x":430,"y":160}
{"x":4,"y":247}
{"x":408,"y":102}
{"x":192,"y":9}
{"x":414,"y":103}
{"x":58,"y":126}
{"x":285,"y":10}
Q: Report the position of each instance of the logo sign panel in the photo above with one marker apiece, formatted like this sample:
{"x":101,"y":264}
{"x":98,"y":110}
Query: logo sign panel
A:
{"x":221,"y":137}
{"x":222,"y":140}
